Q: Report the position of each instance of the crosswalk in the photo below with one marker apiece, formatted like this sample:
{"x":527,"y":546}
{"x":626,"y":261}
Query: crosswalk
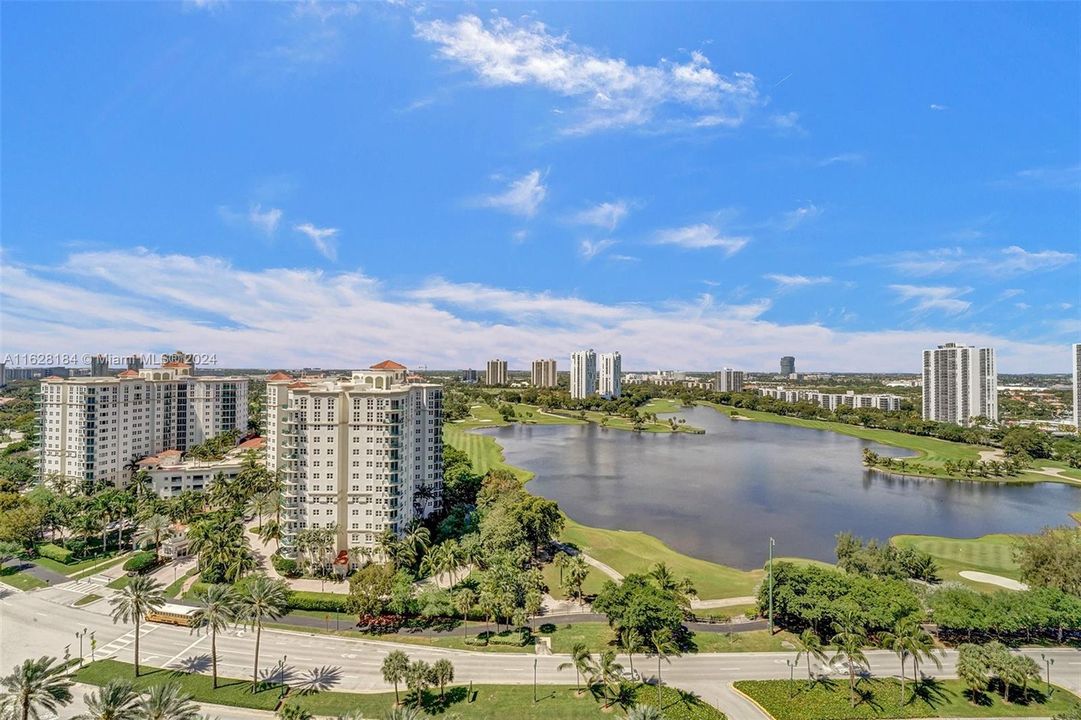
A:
{"x":122,"y":642}
{"x":81,"y":587}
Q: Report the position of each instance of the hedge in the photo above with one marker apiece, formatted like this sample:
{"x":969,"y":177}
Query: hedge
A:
{"x":285,"y":566}
{"x":322,"y":602}
{"x":140,"y":562}
{"x":515,"y":638}
{"x":55,"y":552}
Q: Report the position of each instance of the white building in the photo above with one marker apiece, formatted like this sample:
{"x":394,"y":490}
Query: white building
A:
{"x":609,"y":375}
{"x":834,"y":401}
{"x":92,"y":428}
{"x":583,"y":374}
{"x":960,"y":382}
{"x":1077,"y":385}
{"x":171,"y":474}
{"x":544,"y":373}
{"x":363,"y":455}
{"x":728,"y":380}
{"x":497,"y":372}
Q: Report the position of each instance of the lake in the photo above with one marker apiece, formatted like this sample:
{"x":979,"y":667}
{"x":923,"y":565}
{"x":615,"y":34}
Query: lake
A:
{"x":722,"y":495}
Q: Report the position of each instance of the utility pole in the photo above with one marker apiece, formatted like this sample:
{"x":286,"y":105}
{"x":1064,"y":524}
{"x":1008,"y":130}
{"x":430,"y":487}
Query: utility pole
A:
{"x":534,"y":681}
{"x":771,"y":586}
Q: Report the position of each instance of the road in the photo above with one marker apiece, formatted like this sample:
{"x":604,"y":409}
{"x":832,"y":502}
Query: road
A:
{"x":43,"y":622}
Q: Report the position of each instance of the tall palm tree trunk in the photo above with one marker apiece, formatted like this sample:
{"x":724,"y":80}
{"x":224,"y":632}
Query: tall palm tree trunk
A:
{"x":902,"y":679}
{"x":851,"y":683}
{"x":255,"y":670}
{"x":214,"y":655}
{"x":137,"y":624}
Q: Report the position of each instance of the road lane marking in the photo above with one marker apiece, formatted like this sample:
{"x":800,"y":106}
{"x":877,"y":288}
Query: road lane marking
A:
{"x":174,"y":658}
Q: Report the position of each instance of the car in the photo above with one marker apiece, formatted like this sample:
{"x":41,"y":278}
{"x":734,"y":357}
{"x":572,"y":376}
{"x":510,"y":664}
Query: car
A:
{"x":631,"y":675}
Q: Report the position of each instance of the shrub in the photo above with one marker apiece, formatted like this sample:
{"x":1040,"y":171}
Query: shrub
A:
{"x":514,"y":638}
{"x":477,"y":641}
{"x":140,"y":562}
{"x":77,"y":546}
{"x":285,"y":566}
{"x":319,"y":602}
{"x":55,"y":552}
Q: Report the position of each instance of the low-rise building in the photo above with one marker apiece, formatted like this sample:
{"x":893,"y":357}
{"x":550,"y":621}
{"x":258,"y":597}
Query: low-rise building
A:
{"x":834,"y":401}
{"x":171,"y":473}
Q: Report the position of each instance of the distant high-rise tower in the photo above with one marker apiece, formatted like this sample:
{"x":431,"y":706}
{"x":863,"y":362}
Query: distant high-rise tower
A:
{"x":497,"y":372}
{"x":788,"y":365}
{"x":99,"y":366}
{"x":135,"y":362}
{"x":960,"y":382}
{"x":728,"y":380}
{"x":609,"y":376}
{"x":583,"y":373}
{"x":1077,"y":384}
{"x":544,"y":373}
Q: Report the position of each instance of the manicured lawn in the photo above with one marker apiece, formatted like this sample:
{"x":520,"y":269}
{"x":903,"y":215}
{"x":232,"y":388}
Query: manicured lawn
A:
{"x":594,"y":581}
{"x":87,"y":599}
{"x":881,"y":699}
{"x":174,"y":587}
{"x":449,"y":642}
{"x":554,"y":702}
{"x":990,"y":553}
{"x":103,"y":561}
{"x":636,"y":552}
{"x":533,"y":415}
{"x":754,"y":641}
{"x":483,"y":450}
{"x":98,"y":568}
{"x":20,"y":580}
{"x":661,"y":405}
{"x":119,"y":583}
{"x":729,"y":611}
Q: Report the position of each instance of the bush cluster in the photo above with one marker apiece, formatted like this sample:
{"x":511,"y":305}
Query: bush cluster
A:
{"x":55,"y":552}
{"x":140,"y":562}
{"x":285,"y":566}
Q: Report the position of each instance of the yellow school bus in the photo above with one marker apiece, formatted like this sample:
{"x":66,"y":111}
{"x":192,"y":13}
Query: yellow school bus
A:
{"x":171,"y":614}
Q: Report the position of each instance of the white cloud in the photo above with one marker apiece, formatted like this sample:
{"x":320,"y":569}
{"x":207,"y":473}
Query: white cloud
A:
{"x":1012,"y":260}
{"x":1054,"y":177}
{"x":605,"y":215}
{"x":522,"y":197}
{"x":849,"y":158}
{"x":322,"y":238}
{"x":797,"y":281}
{"x":927,"y":298}
{"x":610,"y":92}
{"x":787,"y":122}
{"x":939,"y":108}
{"x":590,"y":249}
{"x":140,"y":301}
{"x":703,"y":235}
{"x":800,"y":215}
{"x":265,"y":220}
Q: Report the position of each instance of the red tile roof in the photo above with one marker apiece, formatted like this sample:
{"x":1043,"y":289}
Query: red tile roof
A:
{"x":175,"y":365}
{"x":279,"y":376}
{"x":52,"y":377}
{"x":388,"y":365}
{"x":253,"y":444}
{"x":296,"y":385}
{"x":128,"y":374}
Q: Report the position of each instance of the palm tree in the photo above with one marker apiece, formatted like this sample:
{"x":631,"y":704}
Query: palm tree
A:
{"x":218,"y":611}
{"x":294,"y":712}
{"x":809,"y":645}
{"x":577,"y":572}
{"x":581,"y":661}
{"x":972,"y":669}
{"x":154,"y":529}
{"x":404,"y":713}
{"x":133,"y":602}
{"x":418,"y":677}
{"x":443,"y":673}
{"x":115,"y":701}
{"x":37,"y":685}
{"x":645,"y":712}
{"x":849,"y":640}
{"x":395,"y":667}
{"x":630,"y":640}
{"x":263,"y":599}
{"x":560,"y":561}
{"x":168,"y":702}
{"x":665,"y":646}
{"x":606,"y":673}
{"x":909,"y":639}
{"x":464,"y":600}
{"x":271,"y":530}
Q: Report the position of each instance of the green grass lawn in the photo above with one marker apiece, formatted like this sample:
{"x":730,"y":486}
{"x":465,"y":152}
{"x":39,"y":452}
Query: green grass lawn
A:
{"x":20,"y":580}
{"x":594,"y":581}
{"x":636,"y":552}
{"x":554,"y":702}
{"x":87,"y":599}
{"x":533,"y":415}
{"x":100,"y":566}
{"x":174,"y":587}
{"x":599,"y":636}
{"x":119,"y":583}
{"x":990,"y":554}
{"x":484,"y":452}
{"x":881,"y":699}
{"x":72,"y":569}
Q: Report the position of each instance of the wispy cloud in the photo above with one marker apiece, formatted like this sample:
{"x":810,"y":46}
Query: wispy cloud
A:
{"x":265,"y":220}
{"x":703,"y":235}
{"x":590,"y":249}
{"x":787,"y":123}
{"x":141,"y":301}
{"x":800,"y":215}
{"x":1068,"y":177}
{"x":849,"y":158}
{"x":933,"y":298}
{"x":324,"y":239}
{"x":522,"y":197}
{"x":792,"y":282}
{"x":939,"y":108}
{"x":604,"y":215}
{"x":1012,"y":260}
{"x":609,"y":92}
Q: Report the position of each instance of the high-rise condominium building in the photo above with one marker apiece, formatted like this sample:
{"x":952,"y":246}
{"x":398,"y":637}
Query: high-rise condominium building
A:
{"x":544,"y":373}
{"x":609,"y":375}
{"x":960,"y":382}
{"x":1077,"y":384}
{"x":99,"y":366}
{"x":497,"y":372}
{"x":728,"y":380}
{"x":362,"y":456}
{"x":134,"y":362}
{"x":93,"y":427}
{"x":788,"y":365}
{"x":583,"y":373}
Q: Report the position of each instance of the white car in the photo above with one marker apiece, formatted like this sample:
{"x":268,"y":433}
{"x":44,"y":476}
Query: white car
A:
{"x":632,"y":675}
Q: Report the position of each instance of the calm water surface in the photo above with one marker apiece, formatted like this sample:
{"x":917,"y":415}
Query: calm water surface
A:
{"x":720,"y":496}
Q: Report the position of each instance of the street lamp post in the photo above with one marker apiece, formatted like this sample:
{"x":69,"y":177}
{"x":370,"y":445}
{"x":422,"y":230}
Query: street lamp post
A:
{"x":93,"y":647}
{"x":81,"y":635}
{"x":1048,"y":661}
{"x":281,"y":674}
{"x":771,"y":543}
{"x":791,"y":673}
{"x":534,"y":681}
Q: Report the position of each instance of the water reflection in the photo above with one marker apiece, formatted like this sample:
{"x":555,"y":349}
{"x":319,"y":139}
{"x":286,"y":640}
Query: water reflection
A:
{"x":721,"y":495}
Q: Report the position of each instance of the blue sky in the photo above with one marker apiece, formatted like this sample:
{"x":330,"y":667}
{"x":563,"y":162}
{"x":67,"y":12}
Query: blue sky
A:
{"x":694,"y":185}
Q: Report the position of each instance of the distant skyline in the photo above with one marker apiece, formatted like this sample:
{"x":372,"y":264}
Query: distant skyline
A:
{"x":700,"y":185}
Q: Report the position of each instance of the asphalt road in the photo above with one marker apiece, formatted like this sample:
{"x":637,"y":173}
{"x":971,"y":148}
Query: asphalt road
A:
{"x":43,"y":622}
